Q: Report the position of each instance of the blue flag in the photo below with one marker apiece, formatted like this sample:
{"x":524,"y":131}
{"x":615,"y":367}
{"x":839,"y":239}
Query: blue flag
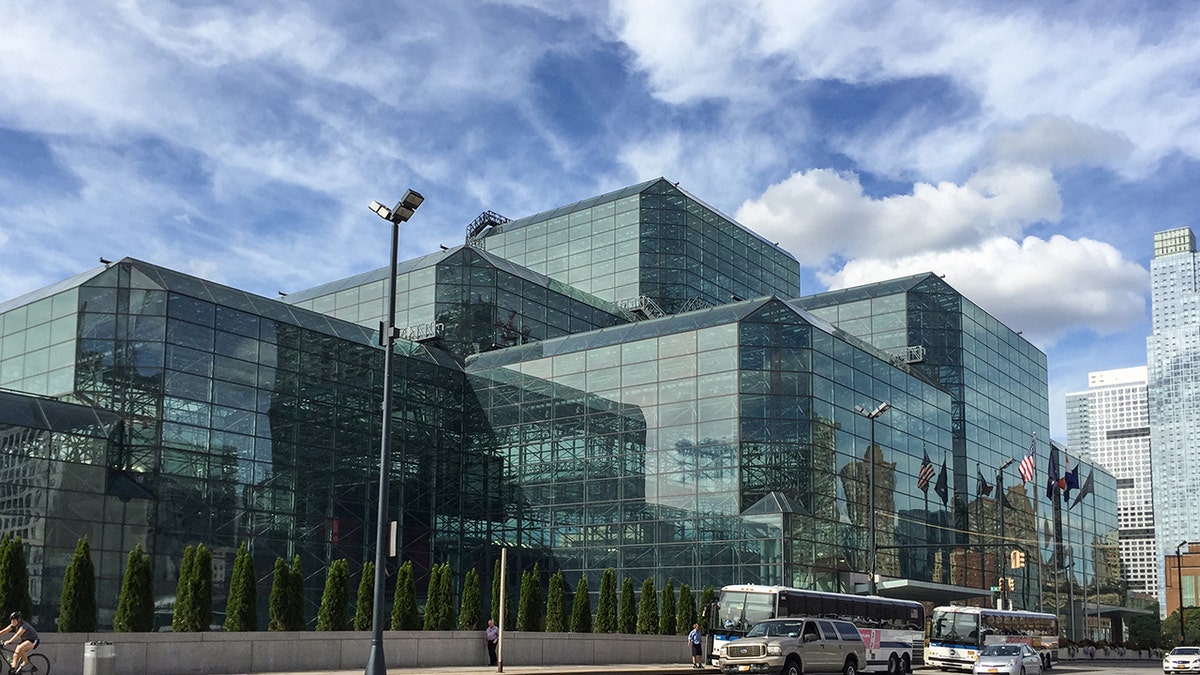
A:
{"x":1052,"y":473}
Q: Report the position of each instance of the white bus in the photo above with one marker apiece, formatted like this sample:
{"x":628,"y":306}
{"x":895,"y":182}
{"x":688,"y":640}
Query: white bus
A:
{"x":956,"y":634}
{"x":891,"y":629}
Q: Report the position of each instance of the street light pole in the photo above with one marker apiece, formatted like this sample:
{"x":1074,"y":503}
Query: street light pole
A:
{"x":1179,"y":583}
{"x":871,"y":415}
{"x":396,"y":215}
{"x":1003,"y":564}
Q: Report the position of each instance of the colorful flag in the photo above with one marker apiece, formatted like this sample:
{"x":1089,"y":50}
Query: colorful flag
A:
{"x":1026,"y":467}
{"x":925,"y":475}
{"x":1052,"y":473}
{"x":981,"y":484}
{"x":1085,"y":490}
{"x":942,"y":487}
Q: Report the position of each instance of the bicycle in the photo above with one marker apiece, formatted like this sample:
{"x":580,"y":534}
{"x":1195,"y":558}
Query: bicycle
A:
{"x":38,"y":663}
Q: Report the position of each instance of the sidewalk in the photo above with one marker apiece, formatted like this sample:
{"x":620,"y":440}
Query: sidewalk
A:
{"x":655,"y":668}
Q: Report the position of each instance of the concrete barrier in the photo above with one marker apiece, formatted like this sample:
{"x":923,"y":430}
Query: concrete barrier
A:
{"x":268,"y":652}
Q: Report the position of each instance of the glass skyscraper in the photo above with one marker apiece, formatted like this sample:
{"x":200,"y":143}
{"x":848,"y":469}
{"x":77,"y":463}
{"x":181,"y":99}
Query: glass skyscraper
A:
{"x":1173,"y":362}
{"x":629,"y":381}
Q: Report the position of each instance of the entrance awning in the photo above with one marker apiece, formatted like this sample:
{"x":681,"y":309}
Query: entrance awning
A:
{"x":928,"y":591}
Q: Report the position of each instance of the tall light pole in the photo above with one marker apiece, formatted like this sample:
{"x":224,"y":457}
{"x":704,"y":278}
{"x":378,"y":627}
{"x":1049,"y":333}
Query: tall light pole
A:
{"x":401,"y":212}
{"x":1179,"y":583}
{"x":871,"y":415}
{"x":1003,"y":566}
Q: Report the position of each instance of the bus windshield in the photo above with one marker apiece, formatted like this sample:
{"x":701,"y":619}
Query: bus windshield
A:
{"x":740,"y":609}
{"x":954,"y":626}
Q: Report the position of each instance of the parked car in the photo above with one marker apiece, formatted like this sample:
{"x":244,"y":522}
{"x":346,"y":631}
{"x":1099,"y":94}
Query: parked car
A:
{"x":796,"y":645}
{"x":1182,"y":660}
{"x":1014,"y":658}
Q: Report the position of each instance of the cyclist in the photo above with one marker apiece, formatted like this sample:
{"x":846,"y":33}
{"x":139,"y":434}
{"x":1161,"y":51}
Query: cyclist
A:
{"x":25,"y":634}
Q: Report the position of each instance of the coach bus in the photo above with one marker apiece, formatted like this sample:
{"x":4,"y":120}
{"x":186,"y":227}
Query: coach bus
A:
{"x":956,"y":634}
{"x":892,"y":630}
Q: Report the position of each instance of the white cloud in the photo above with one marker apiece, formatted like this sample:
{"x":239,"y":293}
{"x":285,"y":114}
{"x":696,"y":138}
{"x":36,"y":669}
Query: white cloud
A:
{"x":1055,"y":141}
{"x":1044,"y":288}
{"x":820,"y":215}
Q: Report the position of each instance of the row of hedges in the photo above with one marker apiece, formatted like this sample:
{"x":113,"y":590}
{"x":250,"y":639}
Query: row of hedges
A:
{"x":655,"y":612}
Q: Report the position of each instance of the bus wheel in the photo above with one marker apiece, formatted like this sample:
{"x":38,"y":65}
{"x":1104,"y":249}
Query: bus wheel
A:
{"x":907,"y":663}
{"x":894,"y":665}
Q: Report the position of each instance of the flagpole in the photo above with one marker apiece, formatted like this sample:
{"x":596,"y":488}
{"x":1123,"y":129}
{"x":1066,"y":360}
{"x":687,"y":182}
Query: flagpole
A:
{"x":1037,"y":540}
{"x":1095,"y":567}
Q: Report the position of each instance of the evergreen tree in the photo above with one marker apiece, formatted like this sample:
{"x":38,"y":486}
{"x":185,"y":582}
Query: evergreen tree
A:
{"x":364,"y":606}
{"x":279,"y":602}
{"x":202,"y":575}
{"x":606,"y":608}
{"x":77,"y":604}
{"x":627,"y":612}
{"x":666,"y":609}
{"x":333,"y":614}
{"x":135,"y":605}
{"x":296,"y":600}
{"x":537,"y":620}
{"x":433,"y":607}
{"x":647,"y":617}
{"x":707,"y":598}
{"x":556,"y":604}
{"x":241,"y":607}
{"x":446,"y":594}
{"x":14,"y":578}
{"x":581,"y":608}
{"x":523,"y":609}
{"x":687,"y":611}
{"x":470,"y":617}
{"x":183,"y":614}
{"x":404,"y":600}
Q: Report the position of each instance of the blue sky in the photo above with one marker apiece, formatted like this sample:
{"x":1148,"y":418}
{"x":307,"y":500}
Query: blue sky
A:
{"x":1027,"y":151}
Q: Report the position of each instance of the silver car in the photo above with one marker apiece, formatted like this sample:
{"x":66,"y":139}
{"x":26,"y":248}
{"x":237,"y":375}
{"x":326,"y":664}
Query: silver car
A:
{"x":1010,"y":659}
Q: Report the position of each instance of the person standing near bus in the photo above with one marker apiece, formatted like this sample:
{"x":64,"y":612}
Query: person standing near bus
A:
{"x":24,"y":635}
{"x":695,"y":641}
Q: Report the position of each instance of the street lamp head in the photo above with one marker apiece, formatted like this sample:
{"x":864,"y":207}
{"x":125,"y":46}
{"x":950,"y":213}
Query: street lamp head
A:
{"x":402,"y":211}
{"x":872,"y":414}
{"x":1005,"y":464}
{"x":412,"y":199}
{"x":381,"y":210}
{"x":1181,"y":545}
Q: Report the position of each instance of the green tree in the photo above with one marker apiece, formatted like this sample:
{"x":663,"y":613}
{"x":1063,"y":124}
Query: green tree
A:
{"x":537,"y":619}
{"x":627,"y":612}
{"x":1191,"y":625}
{"x":647,"y":617}
{"x":296,"y":601}
{"x":581,"y":608}
{"x":606,"y":607}
{"x":687,"y":610}
{"x":14,"y":577}
{"x":556,"y":604}
{"x":666,"y":609}
{"x":241,"y":607}
{"x":404,"y":600}
{"x":470,"y":617}
{"x":439,"y":599}
{"x":333,"y":614}
{"x":364,"y":606}
{"x":202,"y":575}
{"x":707,"y":597}
{"x":279,"y":602}
{"x":524,"y":601}
{"x":1145,"y":631}
{"x":135,"y":605}
{"x":181,"y":615}
{"x":77,"y":603}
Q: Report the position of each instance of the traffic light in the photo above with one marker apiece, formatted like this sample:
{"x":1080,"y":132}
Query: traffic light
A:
{"x":1016,"y":559}
{"x":1011,"y":584}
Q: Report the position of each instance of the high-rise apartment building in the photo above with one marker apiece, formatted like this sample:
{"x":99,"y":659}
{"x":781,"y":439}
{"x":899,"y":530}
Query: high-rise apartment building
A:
{"x":1173,"y":363}
{"x":1110,"y":424}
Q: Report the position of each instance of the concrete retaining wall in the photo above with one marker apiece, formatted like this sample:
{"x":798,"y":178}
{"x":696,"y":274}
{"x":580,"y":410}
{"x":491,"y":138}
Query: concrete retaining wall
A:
{"x":266,"y":652}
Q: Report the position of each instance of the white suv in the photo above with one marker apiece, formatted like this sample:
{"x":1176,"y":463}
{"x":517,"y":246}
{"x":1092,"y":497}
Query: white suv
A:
{"x":794,"y":646}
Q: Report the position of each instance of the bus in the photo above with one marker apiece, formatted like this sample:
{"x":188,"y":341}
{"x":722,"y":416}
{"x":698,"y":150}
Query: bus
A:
{"x":956,"y":634}
{"x":892,"y":630}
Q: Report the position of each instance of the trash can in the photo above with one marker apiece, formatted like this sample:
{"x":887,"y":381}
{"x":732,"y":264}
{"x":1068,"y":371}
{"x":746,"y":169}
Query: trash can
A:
{"x":99,"y":658}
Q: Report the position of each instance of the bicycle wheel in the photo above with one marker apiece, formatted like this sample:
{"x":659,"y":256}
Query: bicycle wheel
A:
{"x":38,"y":663}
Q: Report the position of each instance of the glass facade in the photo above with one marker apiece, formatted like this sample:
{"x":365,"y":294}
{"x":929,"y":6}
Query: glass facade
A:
{"x":586,"y":387}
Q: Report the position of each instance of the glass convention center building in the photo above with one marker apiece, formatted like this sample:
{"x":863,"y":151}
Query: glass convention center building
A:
{"x":632,"y":381}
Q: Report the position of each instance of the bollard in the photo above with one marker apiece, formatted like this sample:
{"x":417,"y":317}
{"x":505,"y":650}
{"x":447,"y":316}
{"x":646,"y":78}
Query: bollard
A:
{"x":99,"y":658}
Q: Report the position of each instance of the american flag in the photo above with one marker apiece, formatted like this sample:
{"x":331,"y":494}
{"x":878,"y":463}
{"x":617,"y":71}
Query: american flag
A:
{"x":1026,"y":467}
{"x":925,"y":475}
